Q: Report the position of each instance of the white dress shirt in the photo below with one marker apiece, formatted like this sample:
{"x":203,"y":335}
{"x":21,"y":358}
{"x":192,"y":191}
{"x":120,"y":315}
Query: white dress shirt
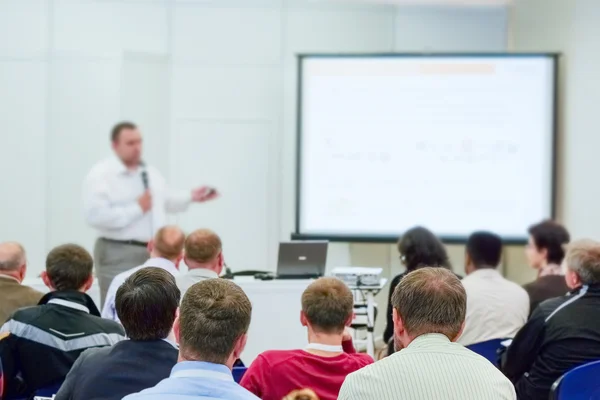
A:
{"x":109,"y":310}
{"x":110,"y":193}
{"x":430,"y":367}
{"x":185,"y":281}
{"x":496,"y":307}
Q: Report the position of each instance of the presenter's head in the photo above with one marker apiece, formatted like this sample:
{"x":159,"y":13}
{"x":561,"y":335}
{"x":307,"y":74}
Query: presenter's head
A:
{"x":213,"y":322}
{"x":483,"y":250}
{"x":419,"y":247}
{"x":127,"y":143}
{"x":428,"y":300}
{"x":147,"y":304}
{"x":546,"y":244}
{"x":203,"y":249}
{"x":68,"y":267}
{"x":327,"y":307}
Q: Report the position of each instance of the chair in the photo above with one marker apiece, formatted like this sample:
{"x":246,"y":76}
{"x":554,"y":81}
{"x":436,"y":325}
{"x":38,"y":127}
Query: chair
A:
{"x":238,"y":373}
{"x":488,"y":349}
{"x":580,"y":383}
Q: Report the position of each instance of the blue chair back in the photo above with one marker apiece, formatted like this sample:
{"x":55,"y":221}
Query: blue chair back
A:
{"x":238,"y":373}
{"x":488,"y":349}
{"x":580,"y":383}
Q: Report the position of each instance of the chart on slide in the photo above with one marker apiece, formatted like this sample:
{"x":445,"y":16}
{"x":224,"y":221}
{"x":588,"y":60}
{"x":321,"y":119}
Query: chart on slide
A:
{"x":452,"y":143}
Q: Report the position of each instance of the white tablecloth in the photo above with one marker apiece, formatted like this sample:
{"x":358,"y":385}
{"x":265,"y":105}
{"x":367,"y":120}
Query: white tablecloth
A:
{"x":275,"y":313}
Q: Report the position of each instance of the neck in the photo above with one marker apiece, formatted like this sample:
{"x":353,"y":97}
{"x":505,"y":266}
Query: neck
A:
{"x":228,"y":364}
{"x":330,"y":339}
{"x":12,"y":274}
{"x":158,"y":255}
{"x":194,"y":265}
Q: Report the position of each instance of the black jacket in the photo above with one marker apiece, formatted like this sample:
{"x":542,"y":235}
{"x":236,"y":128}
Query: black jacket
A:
{"x":112,"y":373}
{"x":40,"y":344}
{"x":561,"y":334}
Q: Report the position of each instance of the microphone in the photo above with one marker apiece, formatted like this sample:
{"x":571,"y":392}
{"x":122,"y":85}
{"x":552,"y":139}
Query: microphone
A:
{"x":144,"y":175}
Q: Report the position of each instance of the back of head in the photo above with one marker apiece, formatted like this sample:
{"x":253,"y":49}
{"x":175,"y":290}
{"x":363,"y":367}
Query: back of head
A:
{"x":420,"y":247}
{"x":202,"y":246}
{"x":484,"y":249}
{"x":12,"y":256}
{"x":328,"y":304}
{"x":304,"y":394}
{"x":583,"y":258}
{"x":147,"y":303}
{"x":168,"y":242}
{"x":69,"y":267}
{"x":213,"y":316}
{"x":431,"y":300}
{"x":551,"y":236}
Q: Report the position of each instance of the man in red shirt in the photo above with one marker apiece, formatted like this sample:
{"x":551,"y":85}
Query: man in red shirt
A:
{"x":327,"y":308}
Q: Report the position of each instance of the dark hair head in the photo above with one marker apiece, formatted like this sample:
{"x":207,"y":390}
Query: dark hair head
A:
{"x":118,"y":128}
{"x":69,"y":267}
{"x":328,"y":304}
{"x":147,"y":302}
{"x":485,"y":249}
{"x":214,"y":315}
{"x":431,"y":300}
{"x":551,"y":236}
{"x":419,"y":247}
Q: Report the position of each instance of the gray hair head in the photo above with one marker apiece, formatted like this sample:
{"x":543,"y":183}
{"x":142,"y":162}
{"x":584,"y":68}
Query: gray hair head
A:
{"x":583,"y":258}
{"x":12,"y":256}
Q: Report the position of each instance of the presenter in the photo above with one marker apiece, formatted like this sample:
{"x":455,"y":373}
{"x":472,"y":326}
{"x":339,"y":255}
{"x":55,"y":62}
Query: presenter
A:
{"x":126,"y":201}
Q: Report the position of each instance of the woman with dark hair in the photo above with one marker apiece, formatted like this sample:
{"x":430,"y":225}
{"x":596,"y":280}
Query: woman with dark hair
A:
{"x":418,"y":248}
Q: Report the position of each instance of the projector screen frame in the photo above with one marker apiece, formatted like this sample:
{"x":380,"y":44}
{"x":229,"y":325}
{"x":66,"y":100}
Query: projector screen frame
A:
{"x":297,"y":235}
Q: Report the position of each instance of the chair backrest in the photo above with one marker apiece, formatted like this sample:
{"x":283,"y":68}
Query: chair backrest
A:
{"x":488,"y":349}
{"x":49,"y":390}
{"x":580,"y":383}
{"x":238,"y":373}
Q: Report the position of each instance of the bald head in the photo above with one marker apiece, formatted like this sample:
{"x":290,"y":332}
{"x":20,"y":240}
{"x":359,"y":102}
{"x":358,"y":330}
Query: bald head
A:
{"x":203,"y":250}
{"x":168,"y":243}
{"x":12,"y":256}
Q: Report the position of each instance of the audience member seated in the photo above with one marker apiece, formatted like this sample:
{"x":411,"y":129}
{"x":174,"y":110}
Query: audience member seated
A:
{"x":563,"y":332}
{"x":327,"y":309}
{"x":545,"y":252}
{"x":418,"y":247}
{"x":211,"y":330}
{"x":14,"y":295}
{"x":203,"y":257}
{"x":165,"y":253}
{"x":429,"y":314}
{"x":304,"y":394}
{"x":147,"y":304}
{"x":496,"y":307}
{"x":40,"y":344}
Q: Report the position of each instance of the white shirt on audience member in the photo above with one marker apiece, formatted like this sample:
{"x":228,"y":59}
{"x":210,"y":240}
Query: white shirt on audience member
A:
{"x":496,"y":307}
{"x":195,"y":275}
{"x":110,"y":193}
{"x":109,"y":310}
{"x":430,"y":367}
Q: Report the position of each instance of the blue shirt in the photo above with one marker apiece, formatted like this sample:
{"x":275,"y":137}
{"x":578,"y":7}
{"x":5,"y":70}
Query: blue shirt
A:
{"x":196,"y":380}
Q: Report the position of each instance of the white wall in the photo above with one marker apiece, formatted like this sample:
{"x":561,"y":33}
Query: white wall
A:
{"x":212,"y":84}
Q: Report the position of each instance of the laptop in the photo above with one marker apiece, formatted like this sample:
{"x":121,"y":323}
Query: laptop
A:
{"x":302,"y":259}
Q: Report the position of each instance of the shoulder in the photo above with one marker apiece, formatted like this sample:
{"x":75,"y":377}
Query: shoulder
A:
{"x":108,"y":326}
{"x":272,"y":358}
{"x":102,"y":167}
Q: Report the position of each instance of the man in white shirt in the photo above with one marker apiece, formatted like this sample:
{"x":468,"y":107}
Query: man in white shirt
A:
{"x":496,"y":307}
{"x":127,"y":201}
{"x":203,"y":257}
{"x":166,"y":251}
{"x":429,"y":312}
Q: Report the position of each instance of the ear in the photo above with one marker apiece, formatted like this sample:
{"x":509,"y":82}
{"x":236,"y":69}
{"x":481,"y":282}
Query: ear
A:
{"x":303,"y":319}
{"x":178,"y":260}
{"x":150,"y":246}
{"x":177,"y":327}
{"x":398,"y":324}
{"x":240,"y":345}
{"x":467,"y":259}
{"x":462,"y":328}
{"x":47,"y":282}
{"x":350,"y":319}
{"x":88,"y":284}
{"x":22,"y":272}
{"x":544,"y":253}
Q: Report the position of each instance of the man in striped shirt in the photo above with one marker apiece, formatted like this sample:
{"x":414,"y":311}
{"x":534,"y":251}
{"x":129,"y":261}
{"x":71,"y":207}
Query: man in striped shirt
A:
{"x":429,"y":314}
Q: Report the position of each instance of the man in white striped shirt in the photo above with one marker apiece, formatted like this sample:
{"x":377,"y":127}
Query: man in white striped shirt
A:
{"x":429,"y":315}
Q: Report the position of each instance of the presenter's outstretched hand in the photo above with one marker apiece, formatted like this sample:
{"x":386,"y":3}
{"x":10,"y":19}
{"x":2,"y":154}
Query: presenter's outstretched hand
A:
{"x":145,"y":201}
{"x":204,"y":193}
